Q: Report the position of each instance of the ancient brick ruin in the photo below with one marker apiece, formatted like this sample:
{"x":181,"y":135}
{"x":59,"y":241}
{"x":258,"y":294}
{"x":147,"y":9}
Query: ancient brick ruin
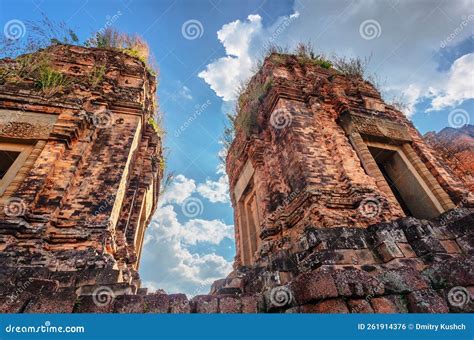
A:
{"x":340,"y":205}
{"x":81,"y":171}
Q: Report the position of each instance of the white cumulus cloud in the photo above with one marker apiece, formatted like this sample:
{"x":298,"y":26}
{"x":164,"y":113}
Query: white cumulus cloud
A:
{"x":225,"y":74}
{"x":180,"y":189}
{"x":215,"y":191}
{"x":403,"y":55}
{"x":170,"y":245}
{"x":459,"y":87}
{"x":175,"y":267}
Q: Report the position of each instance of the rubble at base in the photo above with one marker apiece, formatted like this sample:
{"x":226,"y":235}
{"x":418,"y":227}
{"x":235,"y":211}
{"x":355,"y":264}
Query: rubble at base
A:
{"x":305,"y":242}
{"x":403,"y":266}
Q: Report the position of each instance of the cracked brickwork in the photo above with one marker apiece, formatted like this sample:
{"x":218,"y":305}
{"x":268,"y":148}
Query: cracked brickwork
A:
{"x":318,"y":227}
{"x":328,"y":230}
{"x":74,"y":214}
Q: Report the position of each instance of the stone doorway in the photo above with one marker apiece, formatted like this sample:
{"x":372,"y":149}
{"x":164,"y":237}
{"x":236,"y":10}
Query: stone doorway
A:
{"x":7,"y":158}
{"x":411,"y":192}
{"x":249,"y":223}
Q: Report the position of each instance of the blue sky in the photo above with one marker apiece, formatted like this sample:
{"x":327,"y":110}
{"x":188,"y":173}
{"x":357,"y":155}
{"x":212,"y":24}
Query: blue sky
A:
{"x":422,"y":50}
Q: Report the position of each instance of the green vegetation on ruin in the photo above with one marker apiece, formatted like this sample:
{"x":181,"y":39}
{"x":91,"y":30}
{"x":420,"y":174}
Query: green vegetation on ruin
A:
{"x":252,"y":94}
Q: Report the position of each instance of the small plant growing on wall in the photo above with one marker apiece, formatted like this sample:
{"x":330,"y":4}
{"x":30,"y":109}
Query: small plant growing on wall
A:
{"x":97,"y":74}
{"x":50,"y":81}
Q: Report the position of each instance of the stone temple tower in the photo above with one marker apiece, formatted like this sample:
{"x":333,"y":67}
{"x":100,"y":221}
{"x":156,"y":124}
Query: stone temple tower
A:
{"x":81,"y":166}
{"x":325,"y":177}
{"x":340,"y":205}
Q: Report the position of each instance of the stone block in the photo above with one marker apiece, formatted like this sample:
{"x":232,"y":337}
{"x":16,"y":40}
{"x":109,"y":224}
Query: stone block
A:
{"x":388,"y":251}
{"x":61,"y":301}
{"x":466,"y":243}
{"x":156,"y":303}
{"x":402,"y":280}
{"x":204,"y":304}
{"x":89,"y":304}
{"x":359,"y":306}
{"x":426,"y":301}
{"x":282,"y":261}
{"x":249,"y":304}
{"x":313,"y":286}
{"x":450,"y":246}
{"x":426,"y":245}
{"x":230,"y":304}
{"x":129,"y":304}
{"x":384,"y":305}
{"x":357,"y":283}
{"x":326,"y":306}
{"x":406,"y":249}
{"x":452,"y":272}
{"x":16,"y":303}
{"x":179,"y":303}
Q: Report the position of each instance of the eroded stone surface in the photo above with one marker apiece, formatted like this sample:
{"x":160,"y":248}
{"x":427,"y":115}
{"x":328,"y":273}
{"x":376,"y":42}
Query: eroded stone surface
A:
{"x":316,"y":248}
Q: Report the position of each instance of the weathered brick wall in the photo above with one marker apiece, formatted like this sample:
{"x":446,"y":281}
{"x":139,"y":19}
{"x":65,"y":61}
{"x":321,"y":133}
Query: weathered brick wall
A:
{"x":318,"y":251}
{"x":77,"y":212}
{"x":307,"y":170}
{"x":403,"y":266}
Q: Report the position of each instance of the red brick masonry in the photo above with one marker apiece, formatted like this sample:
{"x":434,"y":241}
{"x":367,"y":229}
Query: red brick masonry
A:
{"x":315,"y":249}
